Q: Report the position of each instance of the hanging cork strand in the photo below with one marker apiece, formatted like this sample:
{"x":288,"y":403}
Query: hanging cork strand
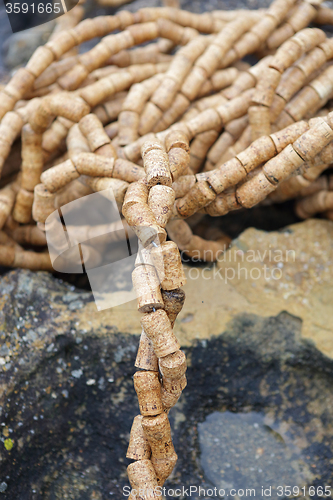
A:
{"x":164,"y":111}
{"x":157,"y":279}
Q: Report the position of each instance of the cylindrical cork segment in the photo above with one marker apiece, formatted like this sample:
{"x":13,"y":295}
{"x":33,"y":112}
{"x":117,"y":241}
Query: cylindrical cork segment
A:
{"x":147,"y":288}
{"x":159,"y":330}
{"x":148,"y":389}
{"x":139,"y":447}
{"x":156,"y":164}
{"x":146,"y":358}
{"x":158,"y":431}
{"x":173,"y":366}
{"x":173,"y":303}
{"x":174,"y":276}
{"x":161,"y":199}
{"x":142,"y":477}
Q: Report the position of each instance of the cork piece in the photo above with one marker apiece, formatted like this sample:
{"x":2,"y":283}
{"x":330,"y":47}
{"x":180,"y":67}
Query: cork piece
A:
{"x":226,"y":139}
{"x":117,"y":186}
{"x":292,"y":80}
{"x":7,"y":200}
{"x":72,"y":108}
{"x":179,"y":161}
{"x":148,"y":389}
{"x":23,"y":206}
{"x":169,"y":399}
{"x":93,"y":130}
{"x":142,"y":477}
{"x":43,"y":203}
{"x":146,"y":358}
{"x":20,"y":83}
{"x":288,"y":135}
{"x":265,"y":88}
{"x":147,"y":288}
{"x":304,"y":101}
{"x":158,"y":432}
{"x":177,"y":139}
{"x":127,"y":171}
{"x":313,"y":141}
{"x":206,"y":250}
{"x":200,"y":194}
{"x":93,"y":165}
{"x":259,"y":117}
{"x":178,"y":107}
{"x":283,"y":165}
{"x":149,"y":118}
{"x":160,"y":201}
{"x":139,"y":447}
{"x":158,"y":329}
{"x":182,"y":185}
{"x":317,"y":203}
{"x":137,"y":193}
{"x":208,"y":119}
{"x":39,"y":61}
{"x":173,"y":303}
{"x":228,"y":174}
{"x":14,"y":257}
{"x":254,"y":190}
{"x":180,"y":232}
{"x":199,"y":148}
{"x":173,"y":367}
{"x":259,"y":152}
{"x":143,"y":223}
{"x":236,"y":108}
{"x":128,"y":127}
{"x":174,"y":276}
{"x":30,"y":234}
{"x":174,"y":385}
{"x":280,"y":35}
{"x":156,"y":164}
{"x":57,"y":177}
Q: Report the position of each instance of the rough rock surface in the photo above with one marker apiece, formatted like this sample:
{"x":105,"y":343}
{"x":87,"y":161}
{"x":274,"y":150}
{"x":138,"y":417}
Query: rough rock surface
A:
{"x":67,"y":397}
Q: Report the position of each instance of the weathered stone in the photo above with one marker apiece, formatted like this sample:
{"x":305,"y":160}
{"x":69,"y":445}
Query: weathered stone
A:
{"x":67,"y":397}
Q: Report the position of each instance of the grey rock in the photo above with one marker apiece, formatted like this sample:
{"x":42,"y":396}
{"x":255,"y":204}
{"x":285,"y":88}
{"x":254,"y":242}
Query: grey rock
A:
{"x":256,"y":390}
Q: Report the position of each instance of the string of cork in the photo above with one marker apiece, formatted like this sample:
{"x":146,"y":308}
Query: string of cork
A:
{"x":157,"y":279}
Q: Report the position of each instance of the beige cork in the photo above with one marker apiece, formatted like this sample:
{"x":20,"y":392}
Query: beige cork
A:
{"x":228,"y":174}
{"x":43,"y":204}
{"x":156,"y":165}
{"x":254,"y":190}
{"x":158,"y":432}
{"x":148,"y":389}
{"x":138,"y":448}
{"x":57,"y":177}
{"x":179,"y":161}
{"x":173,"y":366}
{"x":23,"y":206}
{"x":160,"y":201}
{"x":147,"y":288}
{"x":174,"y":276}
{"x":92,"y":128}
{"x":142,"y":477}
{"x":32,"y":158}
{"x":158,"y":329}
{"x":200,"y":194}
{"x":146,"y":358}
